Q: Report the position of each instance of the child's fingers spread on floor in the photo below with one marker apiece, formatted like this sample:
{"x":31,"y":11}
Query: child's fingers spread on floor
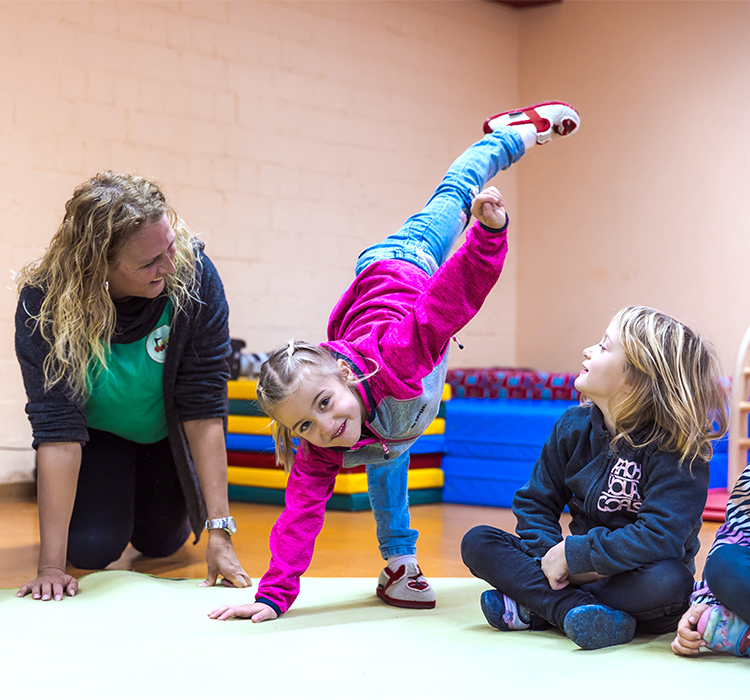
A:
{"x":222,"y":613}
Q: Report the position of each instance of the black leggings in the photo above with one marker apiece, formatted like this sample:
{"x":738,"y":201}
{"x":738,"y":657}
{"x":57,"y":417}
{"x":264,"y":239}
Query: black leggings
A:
{"x":127,"y":492}
{"x":656,"y":594}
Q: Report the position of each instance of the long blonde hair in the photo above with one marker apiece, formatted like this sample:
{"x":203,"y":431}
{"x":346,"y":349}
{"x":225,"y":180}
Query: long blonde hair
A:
{"x":675,"y":386}
{"x":77,"y":316}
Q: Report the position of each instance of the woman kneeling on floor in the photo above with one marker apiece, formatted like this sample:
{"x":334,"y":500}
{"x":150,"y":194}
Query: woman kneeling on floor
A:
{"x":122,"y":337}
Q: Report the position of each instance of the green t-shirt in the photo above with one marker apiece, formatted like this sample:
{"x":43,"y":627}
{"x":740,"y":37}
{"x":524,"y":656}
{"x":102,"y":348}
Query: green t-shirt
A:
{"x":127,"y":398}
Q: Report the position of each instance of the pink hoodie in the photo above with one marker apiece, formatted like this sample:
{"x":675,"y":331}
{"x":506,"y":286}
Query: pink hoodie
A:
{"x":398,"y":319}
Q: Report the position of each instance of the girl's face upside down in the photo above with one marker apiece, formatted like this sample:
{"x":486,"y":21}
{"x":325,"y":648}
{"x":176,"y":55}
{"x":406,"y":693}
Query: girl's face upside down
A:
{"x":325,"y":410}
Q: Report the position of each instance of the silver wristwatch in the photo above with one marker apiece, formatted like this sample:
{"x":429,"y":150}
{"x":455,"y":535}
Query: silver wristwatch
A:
{"x":226,"y":524}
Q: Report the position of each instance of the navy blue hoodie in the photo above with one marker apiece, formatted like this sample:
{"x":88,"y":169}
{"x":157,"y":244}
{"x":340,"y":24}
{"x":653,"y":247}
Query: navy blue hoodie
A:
{"x":629,"y":508}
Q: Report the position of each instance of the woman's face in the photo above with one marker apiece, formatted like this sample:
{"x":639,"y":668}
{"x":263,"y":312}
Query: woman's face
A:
{"x":145,"y":260}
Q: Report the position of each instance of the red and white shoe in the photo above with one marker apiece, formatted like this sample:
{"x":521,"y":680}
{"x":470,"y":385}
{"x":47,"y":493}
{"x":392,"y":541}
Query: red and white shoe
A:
{"x":551,"y":119}
{"x":405,"y":588}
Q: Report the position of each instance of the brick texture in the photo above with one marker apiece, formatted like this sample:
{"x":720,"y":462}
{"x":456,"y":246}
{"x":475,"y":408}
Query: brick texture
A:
{"x":291,"y":135}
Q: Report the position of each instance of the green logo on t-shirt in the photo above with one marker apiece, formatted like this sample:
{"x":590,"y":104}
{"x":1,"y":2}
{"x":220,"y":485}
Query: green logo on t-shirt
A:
{"x":156,"y":344}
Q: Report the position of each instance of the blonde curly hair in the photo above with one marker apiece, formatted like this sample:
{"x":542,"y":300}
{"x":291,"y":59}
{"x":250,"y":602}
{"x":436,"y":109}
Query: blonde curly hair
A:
{"x":77,"y":316}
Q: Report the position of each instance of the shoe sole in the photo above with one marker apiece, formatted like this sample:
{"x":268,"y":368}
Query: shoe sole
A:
{"x":411,"y":604}
{"x":487,"y":601}
{"x":566,"y":126}
{"x":595,"y":627}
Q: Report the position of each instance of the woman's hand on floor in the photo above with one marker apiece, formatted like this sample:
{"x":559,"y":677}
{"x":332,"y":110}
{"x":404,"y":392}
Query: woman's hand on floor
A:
{"x":50,"y":584}
{"x":222,"y":560}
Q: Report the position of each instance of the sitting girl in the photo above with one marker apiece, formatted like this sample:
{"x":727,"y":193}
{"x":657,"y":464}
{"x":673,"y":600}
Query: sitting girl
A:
{"x":721,"y":602}
{"x":631,"y":464}
{"x":367,"y":394}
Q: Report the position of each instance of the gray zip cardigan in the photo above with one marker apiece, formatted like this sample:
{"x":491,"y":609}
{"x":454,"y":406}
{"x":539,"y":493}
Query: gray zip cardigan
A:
{"x":195,"y":377}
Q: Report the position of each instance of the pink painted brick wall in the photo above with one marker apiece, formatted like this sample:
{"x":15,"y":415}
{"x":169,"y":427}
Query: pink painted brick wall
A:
{"x":290,"y":134}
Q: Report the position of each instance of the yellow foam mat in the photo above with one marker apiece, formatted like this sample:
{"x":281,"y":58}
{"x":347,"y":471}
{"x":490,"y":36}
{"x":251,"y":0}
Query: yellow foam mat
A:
{"x":243,"y":388}
{"x":437,"y":427}
{"x":248,"y":389}
{"x":261,"y":425}
{"x":250,"y":425}
{"x":345,"y":483}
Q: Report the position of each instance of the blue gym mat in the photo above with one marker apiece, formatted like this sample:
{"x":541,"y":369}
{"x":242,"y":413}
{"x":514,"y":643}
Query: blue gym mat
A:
{"x":492,"y":444}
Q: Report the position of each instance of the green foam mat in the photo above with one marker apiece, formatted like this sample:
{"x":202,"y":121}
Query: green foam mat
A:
{"x":244,"y":407}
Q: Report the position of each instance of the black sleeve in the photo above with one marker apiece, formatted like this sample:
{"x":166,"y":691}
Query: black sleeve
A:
{"x":539,"y":504}
{"x":55,"y":416}
{"x":203,"y":371}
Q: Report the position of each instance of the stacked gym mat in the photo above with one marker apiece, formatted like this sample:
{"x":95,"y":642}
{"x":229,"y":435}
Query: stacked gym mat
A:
{"x":495,"y":429}
{"x":254,"y":475}
{"x":492,"y":446}
{"x":479,"y":450}
{"x":492,"y":443}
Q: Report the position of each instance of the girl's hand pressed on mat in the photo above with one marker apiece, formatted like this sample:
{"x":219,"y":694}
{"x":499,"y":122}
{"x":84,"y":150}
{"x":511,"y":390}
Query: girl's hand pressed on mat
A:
{"x":555,"y":567}
{"x":489,"y":208}
{"x":257,"y":612}
{"x":50,"y":584}
{"x":689,"y":640}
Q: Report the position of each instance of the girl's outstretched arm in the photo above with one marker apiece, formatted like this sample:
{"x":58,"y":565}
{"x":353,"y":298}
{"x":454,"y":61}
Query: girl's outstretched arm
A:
{"x":489,"y":208}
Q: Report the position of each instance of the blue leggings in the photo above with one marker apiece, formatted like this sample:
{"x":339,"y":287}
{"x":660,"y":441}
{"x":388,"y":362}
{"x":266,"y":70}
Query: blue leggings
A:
{"x":727,"y":573}
{"x":426,"y":240}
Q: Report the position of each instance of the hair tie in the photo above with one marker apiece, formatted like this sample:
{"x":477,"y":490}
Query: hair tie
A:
{"x":290,"y":349}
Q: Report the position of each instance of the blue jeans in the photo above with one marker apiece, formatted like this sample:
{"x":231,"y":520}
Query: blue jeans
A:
{"x":655,"y":594}
{"x":727,"y":573}
{"x":426,"y":239}
{"x":387,"y":485}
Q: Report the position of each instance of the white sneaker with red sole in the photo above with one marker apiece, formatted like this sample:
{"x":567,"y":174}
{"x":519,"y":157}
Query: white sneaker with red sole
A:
{"x":405,"y":588}
{"x":551,"y":119}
